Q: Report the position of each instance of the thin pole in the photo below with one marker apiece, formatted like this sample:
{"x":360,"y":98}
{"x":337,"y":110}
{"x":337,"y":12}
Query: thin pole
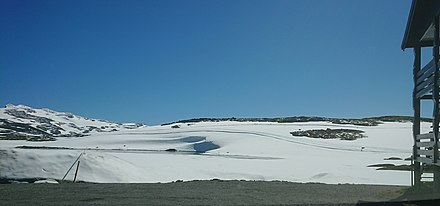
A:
{"x":412,"y":171}
{"x":415,"y":179}
{"x":72,"y":166}
{"x":435,"y":52}
{"x":436,"y":100}
{"x":76,"y":172}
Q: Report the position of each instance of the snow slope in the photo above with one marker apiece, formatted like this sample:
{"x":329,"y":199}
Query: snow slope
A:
{"x":23,"y":122}
{"x":208,"y":150}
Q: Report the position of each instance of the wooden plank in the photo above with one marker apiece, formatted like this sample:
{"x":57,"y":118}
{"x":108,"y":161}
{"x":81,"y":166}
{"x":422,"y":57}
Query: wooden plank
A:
{"x":424,"y":160}
{"x":425,"y":136}
{"x":425,"y":76}
{"x":429,"y":96}
{"x":425,"y":83}
{"x":423,"y":92}
{"x":425,"y":152}
{"x":424,"y":144}
{"x":426,"y":69}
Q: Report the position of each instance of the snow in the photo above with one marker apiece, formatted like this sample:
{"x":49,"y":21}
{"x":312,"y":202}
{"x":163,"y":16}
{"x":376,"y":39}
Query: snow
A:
{"x":68,"y":122}
{"x":50,"y":181}
{"x":246,"y":151}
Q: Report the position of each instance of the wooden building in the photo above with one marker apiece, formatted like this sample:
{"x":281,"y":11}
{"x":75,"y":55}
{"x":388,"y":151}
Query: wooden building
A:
{"x":422,"y":30}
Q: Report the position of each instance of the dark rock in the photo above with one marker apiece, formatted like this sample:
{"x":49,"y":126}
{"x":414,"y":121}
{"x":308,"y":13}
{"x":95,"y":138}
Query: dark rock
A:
{"x":343,"y":134}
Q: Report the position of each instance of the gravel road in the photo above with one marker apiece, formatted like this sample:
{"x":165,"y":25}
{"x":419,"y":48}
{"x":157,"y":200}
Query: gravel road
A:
{"x":215,"y":192}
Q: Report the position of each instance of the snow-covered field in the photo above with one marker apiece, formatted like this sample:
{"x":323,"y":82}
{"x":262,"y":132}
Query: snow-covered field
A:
{"x":209,"y":150}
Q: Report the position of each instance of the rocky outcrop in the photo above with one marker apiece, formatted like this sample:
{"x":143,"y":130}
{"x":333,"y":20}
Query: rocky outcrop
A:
{"x":25,"y":123}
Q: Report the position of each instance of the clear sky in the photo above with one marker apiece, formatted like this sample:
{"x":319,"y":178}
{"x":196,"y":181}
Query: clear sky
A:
{"x":160,"y":61}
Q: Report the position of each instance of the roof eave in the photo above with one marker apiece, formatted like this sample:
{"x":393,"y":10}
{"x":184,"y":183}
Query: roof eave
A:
{"x":408,"y":25}
{"x":420,"y":17}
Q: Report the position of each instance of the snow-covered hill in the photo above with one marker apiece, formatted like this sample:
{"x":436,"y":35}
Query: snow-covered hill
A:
{"x":201,"y":150}
{"x":23,"y":122}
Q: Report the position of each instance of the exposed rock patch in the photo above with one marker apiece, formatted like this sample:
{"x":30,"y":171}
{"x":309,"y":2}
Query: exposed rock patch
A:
{"x":25,"y":123}
{"x":343,"y":134}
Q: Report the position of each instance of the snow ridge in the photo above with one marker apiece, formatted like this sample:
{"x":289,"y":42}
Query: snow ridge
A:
{"x":20,"y":122}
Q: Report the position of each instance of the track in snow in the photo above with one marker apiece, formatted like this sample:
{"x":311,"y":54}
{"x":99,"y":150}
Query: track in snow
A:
{"x":150,"y":151}
{"x":327,"y":145}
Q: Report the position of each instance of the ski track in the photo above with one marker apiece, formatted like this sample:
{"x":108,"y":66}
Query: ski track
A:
{"x":277,"y":137}
{"x":151,"y":151}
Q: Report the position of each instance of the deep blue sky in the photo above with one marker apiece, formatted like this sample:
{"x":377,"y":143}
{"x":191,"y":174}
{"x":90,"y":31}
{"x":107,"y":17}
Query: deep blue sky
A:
{"x":160,"y":61}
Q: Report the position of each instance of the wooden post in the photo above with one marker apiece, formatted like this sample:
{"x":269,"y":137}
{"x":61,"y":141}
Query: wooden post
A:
{"x":416,"y":122}
{"x":435,"y":51}
{"x":76,"y":172}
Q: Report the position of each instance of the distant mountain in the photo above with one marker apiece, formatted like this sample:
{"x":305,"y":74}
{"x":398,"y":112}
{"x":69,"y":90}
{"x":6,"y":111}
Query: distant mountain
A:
{"x":370,"y":121}
{"x":19,"y":122}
